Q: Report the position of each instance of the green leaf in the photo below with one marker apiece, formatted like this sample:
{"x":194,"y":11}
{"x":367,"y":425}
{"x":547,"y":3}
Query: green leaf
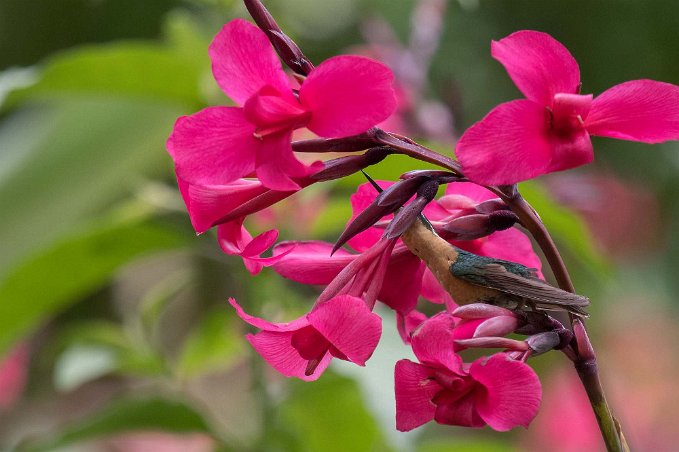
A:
{"x":64,"y":163}
{"x":135,"y":69}
{"x":566,"y":227}
{"x":213,"y":345}
{"x":128,"y":415}
{"x":329,"y":415}
{"x":58,"y":276}
{"x":82,"y":363}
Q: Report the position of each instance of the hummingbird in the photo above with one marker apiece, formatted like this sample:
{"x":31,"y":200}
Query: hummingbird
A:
{"x":470,"y":278}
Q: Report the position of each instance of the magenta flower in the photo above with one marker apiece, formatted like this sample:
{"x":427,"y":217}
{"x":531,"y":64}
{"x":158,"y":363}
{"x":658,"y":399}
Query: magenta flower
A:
{"x":345,"y":95}
{"x":495,"y":391}
{"x":235,"y":240}
{"x":342,"y":327}
{"x":211,"y":205}
{"x":550,"y":129}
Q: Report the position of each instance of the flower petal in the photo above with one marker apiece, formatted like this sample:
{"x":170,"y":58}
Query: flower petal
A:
{"x":360,"y":200}
{"x":277,"y":350}
{"x":402,"y":282}
{"x":570,"y":151}
{"x":348,"y":324}
{"x":269,"y":326}
{"x":348,"y":95}
{"x":233,"y":237}
{"x":432,"y":343}
{"x":638,"y":110}
{"x":458,"y":408}
{"x":509,"y":145}
{"x":539,"y":65}
{"x":276,"y":163}
{"x":406,"y":324}
{"x":243,"y":61}
{"x":310,"y":262}
{"x":511,"y":245}
{"x":260,"y":243}
{"x":208,"y":204}
{"x":433,"y":291}
{"x":414,"y":391}
{"x":471,"y":190}
{"x":214,"y":146}
{"x":513,"y":392}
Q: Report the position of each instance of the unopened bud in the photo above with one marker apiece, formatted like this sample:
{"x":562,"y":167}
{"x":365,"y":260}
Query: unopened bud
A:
{"x":497,"y":326}
{"x":480,"y":311}
{"x":501,"y":220}
{"x":493,"y":342}
{"x":585,"y":349}
{"x":490,"y":206}
{"x":345,"y":166}
{"x":468,"y":227}
{"x":442,"y":177}
{"x":543,"y":342}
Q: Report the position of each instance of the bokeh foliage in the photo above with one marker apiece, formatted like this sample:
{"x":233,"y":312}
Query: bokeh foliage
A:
{"x":101,"y":272}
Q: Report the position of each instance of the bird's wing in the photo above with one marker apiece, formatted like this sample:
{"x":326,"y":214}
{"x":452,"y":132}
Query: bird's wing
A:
{"x":496,"y":276}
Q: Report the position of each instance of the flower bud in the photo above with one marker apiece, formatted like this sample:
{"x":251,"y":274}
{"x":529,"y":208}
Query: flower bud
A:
{"x":543,"y":342}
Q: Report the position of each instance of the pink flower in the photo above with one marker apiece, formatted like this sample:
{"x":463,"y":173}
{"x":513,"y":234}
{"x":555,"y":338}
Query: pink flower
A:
{"x":550,"y":129}
{"x":235,"y":240}
{"x":345,"y":95}
{"x":342,"y":327}
{"x":311,"y":263}
{"x":496,"y":391}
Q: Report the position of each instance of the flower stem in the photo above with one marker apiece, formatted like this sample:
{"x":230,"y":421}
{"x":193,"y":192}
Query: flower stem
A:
{"x":584,"y":359}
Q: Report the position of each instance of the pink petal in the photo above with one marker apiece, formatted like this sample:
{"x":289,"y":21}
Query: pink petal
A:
{"x":252,"y":265}
{"x":432,"y":343}
{"x":432,"y":289}
{"x":233,"y":237}
{"x":509,"y":145}
{"x":310,"y":262}
{"x":512,"y":395}
{"x":539,"y":65}
{"x":511,"y":245}
{"x":208,"y":204}
{"x":497,"y":326}
{"x":243,"y":61}
{"x":466,"y":330}
{"x":214,"y":146}
{"x":638,"y":110}
{"x":457,"y":408}
{"x":348,"y":324}
{"x":276,"y":164}
{"x":570,"y":151}
{"x":402,"y":283}
{"x":277,"y":350}
{"x":270,"y":107}
{"x":347,"y":95}
{"x":260,"y":243}
{"x":406,"y":324}
{"x":470,"y":190}
{"x":295,"y":325}
{"x":360,"y":200}
{"x":414,"y":393}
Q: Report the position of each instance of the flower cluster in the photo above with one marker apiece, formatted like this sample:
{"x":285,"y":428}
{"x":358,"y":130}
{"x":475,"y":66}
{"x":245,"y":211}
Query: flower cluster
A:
{"x":234,"y":161}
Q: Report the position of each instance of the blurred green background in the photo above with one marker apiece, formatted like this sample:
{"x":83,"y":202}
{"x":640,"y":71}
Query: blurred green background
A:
{"x":113,"y":317}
